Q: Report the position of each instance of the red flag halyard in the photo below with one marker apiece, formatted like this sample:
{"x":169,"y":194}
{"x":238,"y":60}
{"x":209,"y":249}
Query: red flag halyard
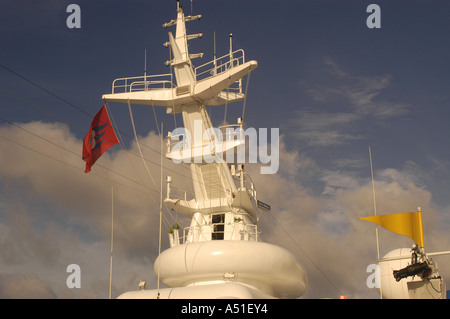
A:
{"x":101,"y":136}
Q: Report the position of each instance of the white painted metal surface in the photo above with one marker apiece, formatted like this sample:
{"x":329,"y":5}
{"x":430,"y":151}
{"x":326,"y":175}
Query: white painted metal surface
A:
{"x":262,"y":266}
{"x":219,"y":255}
{"x":412,"y":287}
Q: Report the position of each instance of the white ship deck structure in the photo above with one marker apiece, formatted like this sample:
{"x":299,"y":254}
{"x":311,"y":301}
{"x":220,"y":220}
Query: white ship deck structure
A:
{"x":220,"y":255}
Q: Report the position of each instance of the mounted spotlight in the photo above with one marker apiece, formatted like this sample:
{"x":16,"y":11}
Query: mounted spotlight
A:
{"x":421,"y":269}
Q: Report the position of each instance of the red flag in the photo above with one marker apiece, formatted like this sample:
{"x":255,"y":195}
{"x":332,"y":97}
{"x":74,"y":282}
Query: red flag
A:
{"x":100,"y":137}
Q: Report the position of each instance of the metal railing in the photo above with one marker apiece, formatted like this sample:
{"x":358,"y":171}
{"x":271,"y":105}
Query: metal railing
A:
{"x":142,"y":83}
{"x":214,"y":232}
{"x":180,"y":194}
{"x":159,"y":81}
{"x":231,"y":132}
{"x":225,"y":134}
{"x":220,"y":65}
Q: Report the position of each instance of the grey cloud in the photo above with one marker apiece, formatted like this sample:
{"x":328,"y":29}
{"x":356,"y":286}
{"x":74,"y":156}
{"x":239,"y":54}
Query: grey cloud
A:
{"x":71,"y":219}
{"x":25,"y":286}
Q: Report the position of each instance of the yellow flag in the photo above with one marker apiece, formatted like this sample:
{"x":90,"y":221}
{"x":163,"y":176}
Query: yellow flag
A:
{"x":406,"y":224}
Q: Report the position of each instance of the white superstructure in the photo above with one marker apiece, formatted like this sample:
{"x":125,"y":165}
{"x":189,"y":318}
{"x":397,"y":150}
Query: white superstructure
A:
{"x":399,"y":279}
{"x":220,"y":254}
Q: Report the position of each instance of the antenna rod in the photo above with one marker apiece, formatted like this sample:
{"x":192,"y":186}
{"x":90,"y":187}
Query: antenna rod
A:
{"x":160,"y":210}
{"x":374,"y":201}
{"x":375,"y":213}
{"x":145,"y":70}
{"x":215,"y":61}
{"x":112,"y":237}
{"x":231,"y":48}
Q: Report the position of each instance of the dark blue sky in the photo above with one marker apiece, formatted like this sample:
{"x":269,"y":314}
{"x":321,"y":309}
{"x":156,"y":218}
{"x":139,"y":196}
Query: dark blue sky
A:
{"x":333,"y":86}
{"x":290,"y":40}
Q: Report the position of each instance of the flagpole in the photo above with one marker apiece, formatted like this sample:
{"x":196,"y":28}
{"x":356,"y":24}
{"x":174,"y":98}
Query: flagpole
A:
{"x":374,"y":202}
{"x":160,"y":210}
{"x":112,"y":237}
{"x":375,"y":213}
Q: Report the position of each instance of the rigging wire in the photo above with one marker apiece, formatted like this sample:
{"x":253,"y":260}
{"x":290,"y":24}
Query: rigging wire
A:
{"x":113,"y":181}
{"x":127,"y":152}
{"x":45,"y":90}
{"x":160,"y":211}
{"x":77,"y":167}
{"x":138,"y":144}
{"x":106,"y":168}
{"x":65,"y":149}
{"x":166,"y":222}
{"x":156,"y":119}
{"x":57,"y":97}
{"x":122,"y":144}
{"x":191,"y":173}
{"x":245,"y":96}
{"x":90,"y":115}
{"x":33,"y":105}
{"x":306,"y":254}
{"x":37,"y":107}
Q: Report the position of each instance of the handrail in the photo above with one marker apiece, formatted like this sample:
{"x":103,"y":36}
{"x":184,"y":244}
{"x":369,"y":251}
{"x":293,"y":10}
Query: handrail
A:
{"x":180,"y":194}
{"x":230,"y":131}
{"x":142,"y":83}
{"x":251,"y":230}
{"x":220,"y":65}
{"x":211,"y":68}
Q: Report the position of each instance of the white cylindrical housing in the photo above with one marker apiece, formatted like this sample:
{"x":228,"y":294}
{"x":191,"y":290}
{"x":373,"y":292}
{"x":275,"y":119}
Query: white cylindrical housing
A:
{"x":268,"y":268}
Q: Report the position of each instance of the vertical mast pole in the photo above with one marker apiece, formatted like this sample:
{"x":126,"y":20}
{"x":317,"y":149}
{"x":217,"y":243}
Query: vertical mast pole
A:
{"x":215,"y":61}
{"x":112,"y":239}
{"x":374,"y":202}
{"x":375,"y":213}
{"x":160,"y":209}
{"x":145,"y":70}
{"x":231,"y":49}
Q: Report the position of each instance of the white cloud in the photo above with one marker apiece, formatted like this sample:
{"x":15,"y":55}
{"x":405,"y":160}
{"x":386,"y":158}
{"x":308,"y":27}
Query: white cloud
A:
{"x":51,"y":209}
{"x":323,"y":128}
{"x":20,"y":286}
{"x":54,"y":215}
{"x":325,"y":233}
{"x":336,"y":180}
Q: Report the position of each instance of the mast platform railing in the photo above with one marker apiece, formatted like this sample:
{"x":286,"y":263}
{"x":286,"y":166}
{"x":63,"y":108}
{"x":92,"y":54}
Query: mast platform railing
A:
{"x":180,"y":194}
{"x":142,"y":83}
{"x":219,"y":65}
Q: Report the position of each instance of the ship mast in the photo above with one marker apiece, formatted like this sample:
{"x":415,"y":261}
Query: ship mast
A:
{"x":214,"y":187}
{"x":219,"y":254}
